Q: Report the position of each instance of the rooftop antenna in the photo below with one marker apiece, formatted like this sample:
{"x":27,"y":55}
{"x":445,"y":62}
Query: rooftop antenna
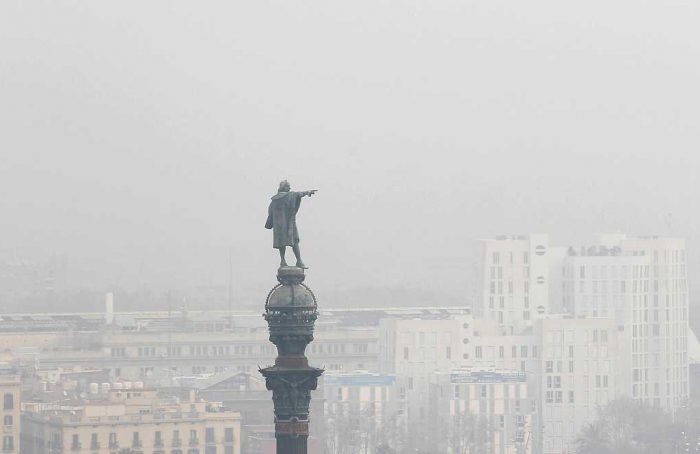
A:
{"x":170,"y":339}
{"x":230,"y":285}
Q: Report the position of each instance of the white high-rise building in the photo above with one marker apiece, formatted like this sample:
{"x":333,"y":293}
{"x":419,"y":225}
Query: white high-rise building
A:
{"x":659,"y":322}
{"x":601,"y":282}
{"x":642,"y":284}
{"x":512,"y":280}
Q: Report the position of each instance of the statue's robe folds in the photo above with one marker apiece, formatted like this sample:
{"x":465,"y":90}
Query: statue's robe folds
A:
{"x":281,"y":218}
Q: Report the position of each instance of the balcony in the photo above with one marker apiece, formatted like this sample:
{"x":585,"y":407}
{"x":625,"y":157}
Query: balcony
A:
{"x":136,"y":444}
{"x":76,"y":446}
{"x":158,"y":443}
{"x":113,"y":445}
{"x":194,"y":441}
{"x":177,"y":442}
{"x":95,"y":446}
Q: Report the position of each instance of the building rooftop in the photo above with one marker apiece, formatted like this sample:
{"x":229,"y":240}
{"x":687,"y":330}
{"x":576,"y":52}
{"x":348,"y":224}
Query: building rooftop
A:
{"x":125,"y":406}
{"x":208,"y":321}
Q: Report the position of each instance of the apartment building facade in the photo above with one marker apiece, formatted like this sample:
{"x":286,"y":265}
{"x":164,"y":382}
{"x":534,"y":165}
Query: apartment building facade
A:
{"x":130,"y":420}
{"x":10,"y":411}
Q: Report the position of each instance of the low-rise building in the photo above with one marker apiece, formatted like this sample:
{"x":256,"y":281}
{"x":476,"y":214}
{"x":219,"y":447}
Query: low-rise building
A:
{"x":413,"y":349}
{"x":130,"y":420}
{"x":482,"y":411}
{"x":10,"y":410}
{"x":580,"y":370}
{"x":361,"y":411}
{"x":248,"y":394}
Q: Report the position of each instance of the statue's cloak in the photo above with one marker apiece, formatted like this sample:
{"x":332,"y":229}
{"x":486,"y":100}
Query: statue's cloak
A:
{"x":282,"y":219}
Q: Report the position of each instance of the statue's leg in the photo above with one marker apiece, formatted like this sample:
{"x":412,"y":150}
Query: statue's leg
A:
{"x":297,"y":254}
{"x":282,"y":250}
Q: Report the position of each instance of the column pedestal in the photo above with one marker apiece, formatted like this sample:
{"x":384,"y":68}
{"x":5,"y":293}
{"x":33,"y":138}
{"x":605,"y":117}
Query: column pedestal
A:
{"x":290,"y":311}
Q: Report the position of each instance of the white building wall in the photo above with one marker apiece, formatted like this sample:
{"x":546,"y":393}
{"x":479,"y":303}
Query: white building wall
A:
{"x":513,"y":276}
{"x":663,"y":317}
{"x":578,"y":372}
{"x":642,"y":283}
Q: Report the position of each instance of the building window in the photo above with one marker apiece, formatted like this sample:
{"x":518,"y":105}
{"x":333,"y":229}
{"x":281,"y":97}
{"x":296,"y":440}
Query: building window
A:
{"x":8,"y":443}
{"x":448,"y":352}
{"x":209,"y":435}
{"x":7,"y":420}
{"x":8,"y":403}
{"x":229,"y":435}
{"x":113,"y":443}
{"x":94,"y":444}
{"x":136,"y":440}
{"x":193,"y":436}
{"x":477,"y":351}
{"x":158,"y":439}
{"x":405,"y":353}
{"x":360,"y":348}
{"x":75,"y":442}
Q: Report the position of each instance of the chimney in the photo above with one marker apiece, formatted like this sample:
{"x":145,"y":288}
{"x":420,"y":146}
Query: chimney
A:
{"x":109,"y":308}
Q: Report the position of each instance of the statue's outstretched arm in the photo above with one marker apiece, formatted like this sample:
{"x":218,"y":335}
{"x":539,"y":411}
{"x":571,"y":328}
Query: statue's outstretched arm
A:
{"x":309,"y":193}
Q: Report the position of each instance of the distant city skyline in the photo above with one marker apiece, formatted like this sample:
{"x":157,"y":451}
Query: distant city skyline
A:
{"x":141,"y":142}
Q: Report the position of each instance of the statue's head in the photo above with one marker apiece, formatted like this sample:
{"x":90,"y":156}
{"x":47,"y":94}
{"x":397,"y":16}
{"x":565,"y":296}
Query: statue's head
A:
{"x":284,"y":186}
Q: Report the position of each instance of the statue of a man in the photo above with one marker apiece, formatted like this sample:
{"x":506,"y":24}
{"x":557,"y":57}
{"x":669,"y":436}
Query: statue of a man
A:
{"x":281,"y":219}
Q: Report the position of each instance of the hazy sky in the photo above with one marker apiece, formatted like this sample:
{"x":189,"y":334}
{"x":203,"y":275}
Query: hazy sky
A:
{"x":142,"y":140}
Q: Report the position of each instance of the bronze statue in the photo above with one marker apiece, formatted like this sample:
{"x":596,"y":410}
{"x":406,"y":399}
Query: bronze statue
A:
{"x":281,"y":219}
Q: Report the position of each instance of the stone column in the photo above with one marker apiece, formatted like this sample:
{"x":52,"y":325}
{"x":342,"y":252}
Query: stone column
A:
{"x":290,"y":311}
